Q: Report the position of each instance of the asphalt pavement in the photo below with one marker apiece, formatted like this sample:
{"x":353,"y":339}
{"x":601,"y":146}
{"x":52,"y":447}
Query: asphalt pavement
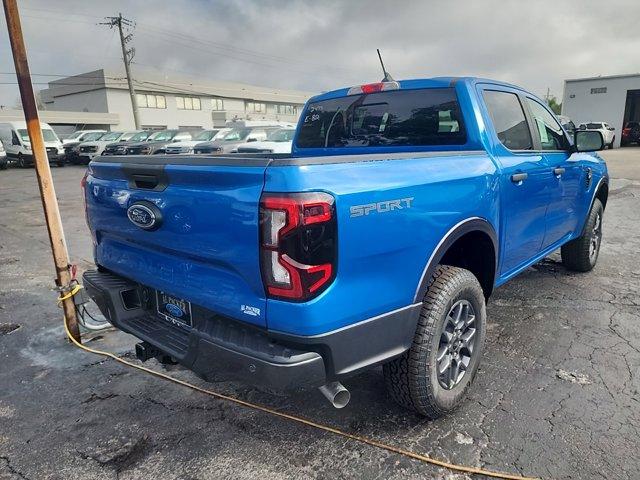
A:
{"x":557,"y":395}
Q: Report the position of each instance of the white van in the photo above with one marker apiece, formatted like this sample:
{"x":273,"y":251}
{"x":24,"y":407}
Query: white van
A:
{"x":16,"y":142}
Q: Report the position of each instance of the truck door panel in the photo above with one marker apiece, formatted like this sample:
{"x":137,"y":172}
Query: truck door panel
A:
{"x":524,"y":179}
{"x":563,"y":176}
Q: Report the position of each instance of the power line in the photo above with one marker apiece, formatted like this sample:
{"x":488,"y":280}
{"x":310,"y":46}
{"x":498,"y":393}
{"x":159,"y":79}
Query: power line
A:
{"x":222,"y":49}
{"x":127,"y":56}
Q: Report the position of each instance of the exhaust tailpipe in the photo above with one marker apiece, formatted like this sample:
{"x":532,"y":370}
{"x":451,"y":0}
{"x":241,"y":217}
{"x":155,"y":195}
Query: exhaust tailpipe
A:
{"x":336,"y":393}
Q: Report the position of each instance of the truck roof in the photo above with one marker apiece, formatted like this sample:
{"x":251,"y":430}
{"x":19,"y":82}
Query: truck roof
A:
{"x":417,"y":83}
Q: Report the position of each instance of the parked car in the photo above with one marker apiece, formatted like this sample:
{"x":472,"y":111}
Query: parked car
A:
{"x":631,"y":133}
{"x":376,"y":242}
{"x":157,"y":142}
{"x":120,"y":147}
{"x":80,"y":136}
{"x":277,"y":141}
{"x":186,"y":146}
{"x":15,"y":138}
{"x":71,"y":148}
{"x":236,"y":136}
{"x":567,"y":124}
{"x":608,"y":132}
{"x":88,"y":150}
{"x":3,"y":157}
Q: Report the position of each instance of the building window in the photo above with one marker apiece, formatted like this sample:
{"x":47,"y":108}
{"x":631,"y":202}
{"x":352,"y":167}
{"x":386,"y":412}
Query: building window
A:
{"x":217,"y":104}
{"x":599,"y":90}
{"x":256,"y":107}
{"x":151,"y":101}
{"x":286,"y":109}
{"x":188,"y":103}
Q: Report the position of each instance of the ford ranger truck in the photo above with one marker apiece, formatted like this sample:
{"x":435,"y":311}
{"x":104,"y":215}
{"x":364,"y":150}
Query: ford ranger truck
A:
{"x":377,"y":241}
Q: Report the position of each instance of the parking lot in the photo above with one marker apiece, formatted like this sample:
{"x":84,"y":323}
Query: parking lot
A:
{"x":557,"y":395}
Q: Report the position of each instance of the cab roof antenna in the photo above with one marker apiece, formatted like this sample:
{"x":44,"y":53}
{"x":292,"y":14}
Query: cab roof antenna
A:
{"x":387,"y":77}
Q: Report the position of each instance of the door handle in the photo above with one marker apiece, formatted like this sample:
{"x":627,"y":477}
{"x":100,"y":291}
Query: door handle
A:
{"x":519,"y":177}
{"x":558,"y":171}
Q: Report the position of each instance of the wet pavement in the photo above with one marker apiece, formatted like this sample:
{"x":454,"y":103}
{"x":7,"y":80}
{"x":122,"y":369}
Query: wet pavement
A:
{"x":557,"y":395}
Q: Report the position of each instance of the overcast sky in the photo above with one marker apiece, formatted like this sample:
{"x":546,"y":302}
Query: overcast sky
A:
{"x":320,"y":45}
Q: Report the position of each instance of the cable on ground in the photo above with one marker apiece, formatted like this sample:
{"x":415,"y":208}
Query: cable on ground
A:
{"x":303,"y":421}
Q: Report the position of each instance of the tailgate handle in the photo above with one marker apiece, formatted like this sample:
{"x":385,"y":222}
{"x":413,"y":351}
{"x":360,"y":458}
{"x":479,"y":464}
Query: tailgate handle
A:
{"x":146,"y":177}
{"x":147,"y":182}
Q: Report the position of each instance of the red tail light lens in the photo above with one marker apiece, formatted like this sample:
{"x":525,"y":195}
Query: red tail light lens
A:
{"x":298,"y":244}
{"x":83,"y":187}
{"x":373,"y":88}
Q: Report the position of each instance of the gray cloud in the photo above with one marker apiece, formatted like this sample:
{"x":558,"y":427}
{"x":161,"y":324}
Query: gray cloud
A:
{"x":312,"y":45}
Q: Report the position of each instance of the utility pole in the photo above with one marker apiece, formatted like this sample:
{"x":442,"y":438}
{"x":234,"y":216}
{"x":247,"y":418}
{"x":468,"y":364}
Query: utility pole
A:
{"x":43,"y":172}
{"x":127,"y":56}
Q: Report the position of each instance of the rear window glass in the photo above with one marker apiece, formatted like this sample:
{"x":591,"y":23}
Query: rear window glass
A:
{"x":594,"y":126}
{"x":385,"y":119}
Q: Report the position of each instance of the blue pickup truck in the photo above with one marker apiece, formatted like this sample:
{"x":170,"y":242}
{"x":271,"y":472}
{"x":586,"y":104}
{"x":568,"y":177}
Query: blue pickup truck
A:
{"x":377,"y":241}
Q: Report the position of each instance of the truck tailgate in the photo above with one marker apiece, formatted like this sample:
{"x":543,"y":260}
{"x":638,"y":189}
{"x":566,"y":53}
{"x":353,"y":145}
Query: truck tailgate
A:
{"x":203,"y":245}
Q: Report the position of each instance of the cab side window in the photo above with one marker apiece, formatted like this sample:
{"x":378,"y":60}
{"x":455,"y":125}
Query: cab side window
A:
{"x":547,"y":128}
{"x":14,"y":139}
{"x":508,"y":119}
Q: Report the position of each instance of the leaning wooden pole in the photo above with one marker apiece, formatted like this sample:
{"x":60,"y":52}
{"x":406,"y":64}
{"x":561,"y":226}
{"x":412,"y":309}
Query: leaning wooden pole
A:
{"x":43,"y":172}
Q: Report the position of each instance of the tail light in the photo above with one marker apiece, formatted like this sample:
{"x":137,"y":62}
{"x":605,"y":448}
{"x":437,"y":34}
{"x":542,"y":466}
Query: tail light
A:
{"x":83,"y":187}
{"x":373,"y":88}
{"x":298,"y":244}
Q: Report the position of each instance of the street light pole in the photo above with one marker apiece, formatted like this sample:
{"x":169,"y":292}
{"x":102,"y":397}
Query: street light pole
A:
{"x":43,"y":172}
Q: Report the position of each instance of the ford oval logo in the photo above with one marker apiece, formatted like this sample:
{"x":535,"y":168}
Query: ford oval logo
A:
{"x":174,"y":310}
{"x":144,"y":215}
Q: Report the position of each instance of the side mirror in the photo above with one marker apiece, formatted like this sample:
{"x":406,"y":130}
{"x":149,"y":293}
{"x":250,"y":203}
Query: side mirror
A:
{"x":588,"y":141}
{"x":252,"y":139}
{"x":613,"y":129}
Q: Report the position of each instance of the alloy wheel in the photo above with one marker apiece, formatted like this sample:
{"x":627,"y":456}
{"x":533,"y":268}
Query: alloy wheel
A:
{"x":457,"y":344}
{"x":596,"y":238}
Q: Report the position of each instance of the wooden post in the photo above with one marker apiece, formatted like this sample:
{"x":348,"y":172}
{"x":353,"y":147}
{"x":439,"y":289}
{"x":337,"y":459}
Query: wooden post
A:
{"x":43,"y":172}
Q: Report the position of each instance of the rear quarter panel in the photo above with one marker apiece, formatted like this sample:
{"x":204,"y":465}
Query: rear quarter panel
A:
{"x":381,"y":256}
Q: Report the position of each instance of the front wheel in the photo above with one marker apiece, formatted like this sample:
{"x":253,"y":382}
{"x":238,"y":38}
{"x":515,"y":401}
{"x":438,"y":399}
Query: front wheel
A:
{"x":21,"y":161}
{"x":433,"y":376}
{"x":611,"y":144}
{"x":581,"y":254}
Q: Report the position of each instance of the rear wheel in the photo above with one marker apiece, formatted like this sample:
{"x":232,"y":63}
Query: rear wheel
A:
{"x":581,"y":254}
{"x":60,"y":163}
{"x":432,"y":377}
{"x":3,"y":165}
{"x":611,"y":144}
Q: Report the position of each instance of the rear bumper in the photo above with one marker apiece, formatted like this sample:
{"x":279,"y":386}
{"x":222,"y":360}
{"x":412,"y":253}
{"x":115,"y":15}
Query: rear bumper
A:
{"x":219,"y":348}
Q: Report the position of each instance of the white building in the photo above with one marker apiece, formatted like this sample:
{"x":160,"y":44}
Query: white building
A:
{"x":613,"y":99}
{"x":170,"y":102}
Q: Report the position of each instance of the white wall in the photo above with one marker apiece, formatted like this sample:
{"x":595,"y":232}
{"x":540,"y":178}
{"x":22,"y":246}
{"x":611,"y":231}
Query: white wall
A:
{"x":606,"y":107}
{"x":92,"y":101}
{"x":120,"y":102}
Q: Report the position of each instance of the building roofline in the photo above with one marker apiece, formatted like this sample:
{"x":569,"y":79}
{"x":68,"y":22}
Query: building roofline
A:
{"x":602,"y":77}
{"x":145,"y":81}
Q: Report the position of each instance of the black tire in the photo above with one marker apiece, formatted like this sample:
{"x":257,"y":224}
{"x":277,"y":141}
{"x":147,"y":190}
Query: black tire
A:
{"x":611,"y":144}
{"x":412,"y":379}
{"x":21,"y":162}
{"x":4,"y":165}
{"x":581,"y":254}
{"x":60,"y":164}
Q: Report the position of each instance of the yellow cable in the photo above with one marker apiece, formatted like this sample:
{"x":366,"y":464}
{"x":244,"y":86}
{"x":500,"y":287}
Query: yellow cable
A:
{"x":71,"y":293}
{"x":303,"y":421}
